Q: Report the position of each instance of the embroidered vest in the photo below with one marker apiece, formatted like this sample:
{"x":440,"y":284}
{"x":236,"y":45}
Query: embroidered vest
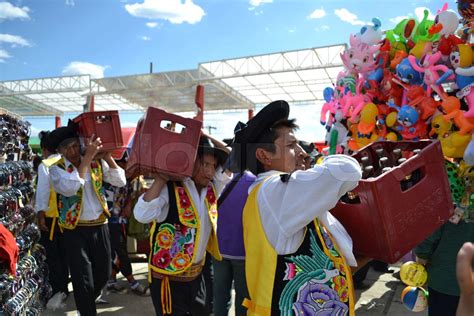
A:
{"x":70,"y":208}
{"x":173,"y":241}
{"x":53,"y":205}
{"x":313,"y":280}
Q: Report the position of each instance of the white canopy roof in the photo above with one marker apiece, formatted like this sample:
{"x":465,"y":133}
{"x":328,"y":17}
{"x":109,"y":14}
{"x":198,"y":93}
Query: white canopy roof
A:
{"x":240,"y":83}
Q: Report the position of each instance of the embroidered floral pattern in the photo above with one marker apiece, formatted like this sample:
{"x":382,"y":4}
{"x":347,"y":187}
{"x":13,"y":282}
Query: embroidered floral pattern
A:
{"x":290,"y":271}
{"x":318,"y":299}
{"x":317,"y":284}
{"x":211,"y":196}
{"x":186,"y":212}
{"x":179,"y":247}
{"x":180,"y":261}
{"x":341,"y":287}
{"x":174,"y":244}
{"x":162,"y":259}
{"x":211,"y":203}
{"x":70,"y":208}
{"x":164,"y":238}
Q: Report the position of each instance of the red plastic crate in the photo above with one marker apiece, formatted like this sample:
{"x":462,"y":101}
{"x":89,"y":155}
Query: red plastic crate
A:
{"x":103,"y":124}
{"x":386,"y":222}
{"x":143,"y":246}
{"x":157,"y":149}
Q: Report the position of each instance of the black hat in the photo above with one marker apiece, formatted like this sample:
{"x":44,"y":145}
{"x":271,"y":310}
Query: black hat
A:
{"x":250,"y":133}
{"x":61,"y":134}
{"x":208,"y":147}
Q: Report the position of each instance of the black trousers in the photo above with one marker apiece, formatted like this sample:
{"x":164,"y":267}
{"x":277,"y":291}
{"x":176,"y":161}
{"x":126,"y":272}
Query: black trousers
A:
{"x":88,"y":256}
{"x":118,"y":244}
{"x":55,"y":258}
{"x":440,"y":304}
{"x":183,"y":295}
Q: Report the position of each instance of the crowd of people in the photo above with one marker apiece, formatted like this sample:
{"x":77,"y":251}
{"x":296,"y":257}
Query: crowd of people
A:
{"x":259,"y":208}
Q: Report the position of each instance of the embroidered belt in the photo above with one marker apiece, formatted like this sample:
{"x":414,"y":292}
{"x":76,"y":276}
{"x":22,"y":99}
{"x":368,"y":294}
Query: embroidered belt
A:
{"x":189,"y":275}
{"x":95,"y":222}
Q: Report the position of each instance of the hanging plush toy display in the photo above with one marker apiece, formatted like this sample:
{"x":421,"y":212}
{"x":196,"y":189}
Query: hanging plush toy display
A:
{"x":407,"y":83}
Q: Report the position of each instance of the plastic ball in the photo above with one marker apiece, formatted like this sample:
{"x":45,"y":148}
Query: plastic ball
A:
{"x":414,"y":299}
{"x":413,"y":274}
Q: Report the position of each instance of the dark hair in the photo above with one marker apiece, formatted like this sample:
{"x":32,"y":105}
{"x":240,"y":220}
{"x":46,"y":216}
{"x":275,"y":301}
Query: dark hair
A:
{"x":266,"y":141}
{"x":45,"y":141}
{"x":36,"y":162}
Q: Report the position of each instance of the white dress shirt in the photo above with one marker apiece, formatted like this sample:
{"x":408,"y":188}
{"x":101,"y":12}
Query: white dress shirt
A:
{"x":68,"y":184}
{"x":43,"y":187}
{"x":157,"y":209}
{"x":287,"y":208}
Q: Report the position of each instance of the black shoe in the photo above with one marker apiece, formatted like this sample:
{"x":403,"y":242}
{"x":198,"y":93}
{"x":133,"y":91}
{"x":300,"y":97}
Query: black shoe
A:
{"x":384,"y":270}
{"x":361,"y":285}
{"x":381,"y":267}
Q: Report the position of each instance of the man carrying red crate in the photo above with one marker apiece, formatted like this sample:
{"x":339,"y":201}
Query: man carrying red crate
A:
{"x":78,"y":182}
{"x":184,"y":216}
{"x":297,"y":254}
{"x":51,"y":237}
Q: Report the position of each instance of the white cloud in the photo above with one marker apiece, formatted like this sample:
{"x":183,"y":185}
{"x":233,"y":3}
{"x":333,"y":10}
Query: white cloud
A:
{"x":14,"y":40}
{"x":256,"y":3}
{"x":291,"y":30}
{"x":171,"y":10}
{"x":349,"y":17}
{"x":70,"y":3}
{"x":398,"y":19}
{"x":84,"y":68}
{"x":322,"y":28}
{"x":10,"y":12}
{"x":145,"y":38}
{"x":152,"y":24}
{"x":4,"y":55}
{"x":318,"y":14}
{"x":420,"y":12}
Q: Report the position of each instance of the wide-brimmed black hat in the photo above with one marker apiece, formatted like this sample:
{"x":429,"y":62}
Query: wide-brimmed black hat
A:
{"x":247,"y":134}
{"x":208,"y":147}
{"x":62,"y":134}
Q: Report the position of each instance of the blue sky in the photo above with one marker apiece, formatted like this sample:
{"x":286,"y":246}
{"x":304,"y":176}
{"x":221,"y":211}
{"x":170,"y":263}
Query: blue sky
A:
{"x":48,"y":38}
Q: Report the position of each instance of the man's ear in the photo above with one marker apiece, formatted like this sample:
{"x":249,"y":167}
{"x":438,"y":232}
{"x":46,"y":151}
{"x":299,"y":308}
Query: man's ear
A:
{"x":263,"y":156}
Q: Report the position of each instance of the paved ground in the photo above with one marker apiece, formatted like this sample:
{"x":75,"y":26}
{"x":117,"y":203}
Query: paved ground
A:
{"x":382,"y":298}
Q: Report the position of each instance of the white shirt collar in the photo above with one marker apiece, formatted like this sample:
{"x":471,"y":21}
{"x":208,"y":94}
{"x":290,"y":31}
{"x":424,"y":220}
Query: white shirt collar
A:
{"x":262,"y":176}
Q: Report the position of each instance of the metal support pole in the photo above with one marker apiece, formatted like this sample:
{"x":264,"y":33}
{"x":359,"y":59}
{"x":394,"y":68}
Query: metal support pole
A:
{"x":200,"y":103}
{"x":57,"y":121}
{"x":250,"y":114}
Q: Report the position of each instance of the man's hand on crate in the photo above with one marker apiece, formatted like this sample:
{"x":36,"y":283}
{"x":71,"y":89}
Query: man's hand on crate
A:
{"x":93,"y":147}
